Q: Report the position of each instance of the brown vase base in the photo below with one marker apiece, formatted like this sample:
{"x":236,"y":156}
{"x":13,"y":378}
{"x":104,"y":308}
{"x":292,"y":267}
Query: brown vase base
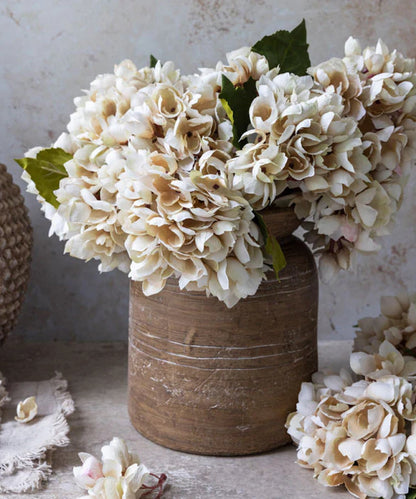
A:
{"x":239,"y":444}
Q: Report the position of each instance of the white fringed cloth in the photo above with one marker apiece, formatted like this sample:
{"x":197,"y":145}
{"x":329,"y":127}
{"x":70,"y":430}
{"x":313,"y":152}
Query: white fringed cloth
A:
{"x":25,"y":448}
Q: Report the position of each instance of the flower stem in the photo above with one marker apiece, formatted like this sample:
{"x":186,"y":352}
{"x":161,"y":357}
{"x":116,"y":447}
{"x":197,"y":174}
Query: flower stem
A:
{"x":159,"y":485}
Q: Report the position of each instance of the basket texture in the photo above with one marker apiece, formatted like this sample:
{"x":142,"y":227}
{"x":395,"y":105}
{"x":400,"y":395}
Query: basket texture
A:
{"x":15,"y":252}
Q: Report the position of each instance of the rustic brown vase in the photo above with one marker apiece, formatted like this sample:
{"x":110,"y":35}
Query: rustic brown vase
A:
{"x":210,"y":380}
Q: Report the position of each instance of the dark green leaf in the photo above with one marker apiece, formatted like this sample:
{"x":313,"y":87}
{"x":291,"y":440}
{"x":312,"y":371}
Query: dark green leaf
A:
{"x":411,"y":494}
{"x":287,"y":49}
{"x":236,"y":101}
{"x":153,"y":61}
{"x":271,"y":246}
{"x":46,"y":171}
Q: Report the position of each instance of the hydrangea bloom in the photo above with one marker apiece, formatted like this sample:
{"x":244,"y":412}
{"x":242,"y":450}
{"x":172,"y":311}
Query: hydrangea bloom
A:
{"x":140,"y":194}
{"x":358,"y":428}
{"x":360,"y":433}
{"x":118,"y":476}
{"x":396,"y":324}
{"x":156,"y":188}
{"x":337,"y":145}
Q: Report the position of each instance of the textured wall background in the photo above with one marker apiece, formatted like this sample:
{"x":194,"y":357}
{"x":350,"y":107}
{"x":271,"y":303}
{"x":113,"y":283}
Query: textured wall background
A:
{"x":50,"y":49}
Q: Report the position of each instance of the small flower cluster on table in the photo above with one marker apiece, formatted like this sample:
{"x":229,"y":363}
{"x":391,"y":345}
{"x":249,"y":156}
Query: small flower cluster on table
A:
{"x":119,"y":475}
{"x":358,"y":428}
{"x":161,"y":174}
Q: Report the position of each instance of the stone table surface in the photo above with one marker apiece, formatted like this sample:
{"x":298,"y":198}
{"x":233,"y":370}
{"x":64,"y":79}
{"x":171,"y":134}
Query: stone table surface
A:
{"x":97,"y":374}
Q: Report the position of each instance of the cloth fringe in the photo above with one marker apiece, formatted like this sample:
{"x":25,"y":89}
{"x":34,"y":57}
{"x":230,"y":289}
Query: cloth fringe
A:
{"x":26,"y":479}
{"x":63,"y":397}
{"x":60,"y":439}
{"x":27,"y":472}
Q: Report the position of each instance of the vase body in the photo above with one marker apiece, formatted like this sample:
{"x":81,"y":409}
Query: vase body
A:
{"x":210,"y":380}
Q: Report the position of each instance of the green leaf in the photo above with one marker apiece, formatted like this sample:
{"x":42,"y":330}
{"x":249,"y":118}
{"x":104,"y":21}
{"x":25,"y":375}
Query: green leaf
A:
{"x":46,"y":171}
{"x":411,"y":494}
{"x":287,"y":49}
{"x":153,"y":61}
{"x":236,"y":101}
{"x":272,"y":246}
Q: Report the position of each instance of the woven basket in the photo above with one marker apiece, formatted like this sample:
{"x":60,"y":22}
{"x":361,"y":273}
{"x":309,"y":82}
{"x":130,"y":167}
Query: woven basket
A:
{"x":15,"y":249}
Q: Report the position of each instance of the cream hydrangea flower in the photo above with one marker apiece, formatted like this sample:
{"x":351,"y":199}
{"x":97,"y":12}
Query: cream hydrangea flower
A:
{"x":119,"y":476}
{"x":156,"y":188}
{"x":315,"y":400}
{"x":396,"y":324}
{"x":363,"y":448}
{"x":359,"y":429}
{"x":388,"y":360}
{"x":335,"y":75}
{"x":147,"y":189}
{"x":378,"y":91}
{"x":396,"y":391}
{"x":388,"y":81}
{"x":312,"y":136}
{"x":190,"y":226}
{"x":285,"y":137}
{"x":241,"y":65}
{"x":360,"y":433}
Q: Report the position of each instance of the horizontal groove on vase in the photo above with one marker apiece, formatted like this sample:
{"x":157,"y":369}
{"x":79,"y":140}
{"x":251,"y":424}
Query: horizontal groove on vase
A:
{"x":215,"y":363}
{"x":200,"y":352}
{"x":141,"y":332}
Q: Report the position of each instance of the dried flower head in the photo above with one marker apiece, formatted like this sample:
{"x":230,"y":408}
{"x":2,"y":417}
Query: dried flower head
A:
{"x":396,"y":324}
{"x":152,"y":179}
{"x":118,"y":476}
{"x":358,"y":429}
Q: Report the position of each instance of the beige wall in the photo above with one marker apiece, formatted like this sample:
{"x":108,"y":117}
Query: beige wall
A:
{"x":50,"y":49}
